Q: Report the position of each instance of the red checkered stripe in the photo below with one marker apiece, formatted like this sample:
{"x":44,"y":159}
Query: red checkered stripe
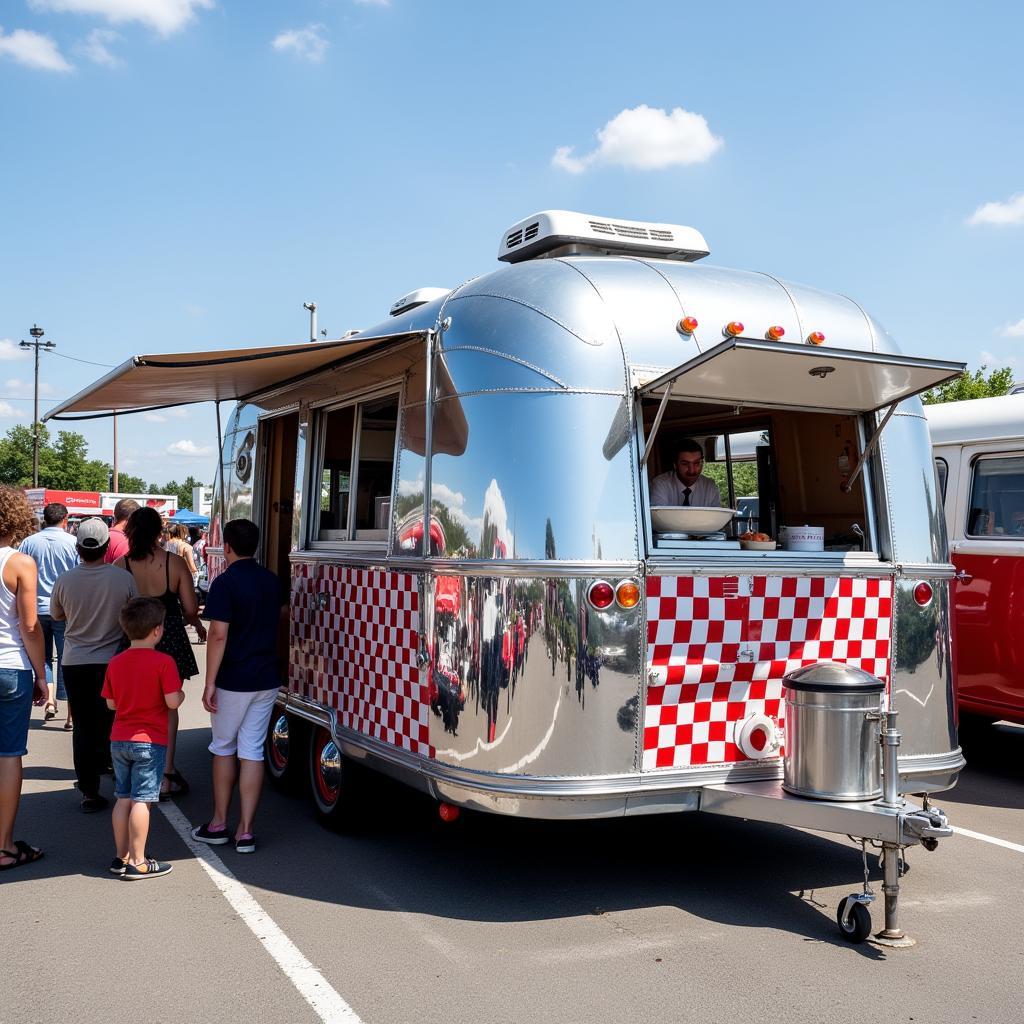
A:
{"x":363,"y":658}
{"x":301,"y":612}
{"x":215,"y":565}
{"x":718,"y":648}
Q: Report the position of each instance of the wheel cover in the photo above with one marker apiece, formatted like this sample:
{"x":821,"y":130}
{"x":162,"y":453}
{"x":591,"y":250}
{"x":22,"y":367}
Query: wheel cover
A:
{"x":327,"y":771}
{"x":277,"y":748}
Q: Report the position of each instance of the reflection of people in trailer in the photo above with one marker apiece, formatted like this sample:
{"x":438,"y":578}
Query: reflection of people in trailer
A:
{"x":446,"y":692}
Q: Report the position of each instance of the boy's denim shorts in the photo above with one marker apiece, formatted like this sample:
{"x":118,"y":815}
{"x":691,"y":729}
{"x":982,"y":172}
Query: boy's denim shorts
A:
{"x":138,"y":769}
{"x":16,"y":685}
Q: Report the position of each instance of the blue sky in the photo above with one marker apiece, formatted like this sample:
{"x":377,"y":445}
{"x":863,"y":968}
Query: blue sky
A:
{"x":184,"y":174}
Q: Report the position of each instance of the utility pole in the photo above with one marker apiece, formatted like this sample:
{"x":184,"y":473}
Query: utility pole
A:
{"x":113,"y":482}
{"x":37,"y":332}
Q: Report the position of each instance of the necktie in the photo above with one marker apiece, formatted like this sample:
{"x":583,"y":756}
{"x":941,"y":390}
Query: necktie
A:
{"x":687,"y":491}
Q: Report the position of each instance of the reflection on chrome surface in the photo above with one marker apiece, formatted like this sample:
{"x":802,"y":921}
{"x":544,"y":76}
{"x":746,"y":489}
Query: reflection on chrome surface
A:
{"x":526,"y":677}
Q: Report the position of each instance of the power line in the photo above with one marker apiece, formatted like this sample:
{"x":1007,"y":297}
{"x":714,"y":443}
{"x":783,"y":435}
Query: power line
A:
{"x":89,"y":362}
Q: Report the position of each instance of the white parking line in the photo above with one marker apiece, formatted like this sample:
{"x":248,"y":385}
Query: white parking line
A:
{"x":1016,"y":847}
{"x":311,"y":984}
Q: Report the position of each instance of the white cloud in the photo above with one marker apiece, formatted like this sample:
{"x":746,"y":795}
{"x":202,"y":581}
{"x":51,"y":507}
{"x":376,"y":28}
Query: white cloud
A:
{"x":646,"y":139}
{"x":188,"y":449}
{"x":10,"y":351}
{"x":7,"y":411}
{"x":163,"y":16}
{"x":1010,"y":212}
{"x":96,"y":47}
{"x":308,"y":43}
{"x":32,"y":50}
{"x":154,"y":417}
{"x":1013,"y":330}
{"x":17,"y":388}
{"x":994,"y":362}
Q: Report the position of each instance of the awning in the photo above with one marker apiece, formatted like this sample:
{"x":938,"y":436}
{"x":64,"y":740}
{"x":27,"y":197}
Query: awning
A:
{"x":746,"y":371}
{"x":145,"y":383}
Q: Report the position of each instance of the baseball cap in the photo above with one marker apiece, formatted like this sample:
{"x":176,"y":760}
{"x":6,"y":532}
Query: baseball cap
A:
{"x":93,"y":533}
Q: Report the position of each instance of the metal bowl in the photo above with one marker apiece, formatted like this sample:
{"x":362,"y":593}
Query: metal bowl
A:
{"x":693,"y":519}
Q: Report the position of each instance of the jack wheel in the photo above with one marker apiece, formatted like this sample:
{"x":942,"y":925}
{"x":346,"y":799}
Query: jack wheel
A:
{"x":858,"y":926}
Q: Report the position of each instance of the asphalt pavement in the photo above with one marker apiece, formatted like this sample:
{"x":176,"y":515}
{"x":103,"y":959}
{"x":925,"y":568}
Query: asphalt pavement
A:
{"x":654,"y":919}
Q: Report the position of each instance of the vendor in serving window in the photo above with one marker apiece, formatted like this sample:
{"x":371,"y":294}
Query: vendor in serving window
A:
{"x":684,"y":484}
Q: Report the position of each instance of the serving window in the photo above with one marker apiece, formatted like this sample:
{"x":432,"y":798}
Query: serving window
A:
{"x":782,"y":471}
{"x":356,"y":470}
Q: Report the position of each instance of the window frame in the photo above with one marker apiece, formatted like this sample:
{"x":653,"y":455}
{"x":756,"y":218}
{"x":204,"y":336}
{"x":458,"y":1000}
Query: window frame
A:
{"x":319,"y":414}
{"x":998,"y":538}
{"x":942,"y":476}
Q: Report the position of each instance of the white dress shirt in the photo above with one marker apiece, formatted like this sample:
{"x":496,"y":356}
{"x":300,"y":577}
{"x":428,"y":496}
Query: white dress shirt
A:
{"x":668,"y":489}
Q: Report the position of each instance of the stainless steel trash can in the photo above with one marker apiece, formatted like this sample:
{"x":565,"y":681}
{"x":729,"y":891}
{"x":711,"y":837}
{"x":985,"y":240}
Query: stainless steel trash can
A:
{"x":832,"y":723}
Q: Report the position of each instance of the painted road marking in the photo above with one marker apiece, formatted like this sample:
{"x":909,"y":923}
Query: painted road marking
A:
{"x":1016,"y":847}
{"x":311,"y":984}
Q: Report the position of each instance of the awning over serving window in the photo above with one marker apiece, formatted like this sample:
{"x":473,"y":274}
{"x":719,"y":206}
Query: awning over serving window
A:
{"x":160,"y":381}
{"x":747,"y":371}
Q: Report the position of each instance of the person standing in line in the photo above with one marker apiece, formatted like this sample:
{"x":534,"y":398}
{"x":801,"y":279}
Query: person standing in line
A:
{"x":118,"y":546}
{"x":89,"y":599}
{"x":242,"y":681}
{"x":141,"y":684}
{"x":22,"y":676}
{"x":164,"y":575}
{"x":54,"y":552}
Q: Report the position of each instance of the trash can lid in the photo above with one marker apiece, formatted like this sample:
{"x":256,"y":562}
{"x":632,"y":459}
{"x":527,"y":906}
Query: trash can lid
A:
{"x":829,"y":677}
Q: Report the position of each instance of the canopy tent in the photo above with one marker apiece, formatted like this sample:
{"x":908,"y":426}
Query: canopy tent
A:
{"x":145,"y":383}
{"x":190,"y":518}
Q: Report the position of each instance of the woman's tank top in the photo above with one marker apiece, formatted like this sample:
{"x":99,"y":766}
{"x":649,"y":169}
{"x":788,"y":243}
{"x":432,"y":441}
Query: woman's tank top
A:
{"x":12,"y":647}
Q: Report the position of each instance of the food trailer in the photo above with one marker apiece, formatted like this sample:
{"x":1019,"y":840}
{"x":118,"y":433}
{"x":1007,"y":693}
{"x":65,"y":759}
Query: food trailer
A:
{"x":86,"y":504}
{"x":484,"y":603}
{"x":979,"y":458}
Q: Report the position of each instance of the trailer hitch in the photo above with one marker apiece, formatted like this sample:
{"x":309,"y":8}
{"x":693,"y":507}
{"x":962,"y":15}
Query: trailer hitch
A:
{"x":925,"y":826}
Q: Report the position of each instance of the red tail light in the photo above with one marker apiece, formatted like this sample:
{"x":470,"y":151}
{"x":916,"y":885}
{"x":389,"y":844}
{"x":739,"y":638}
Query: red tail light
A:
{"x":601,"y":595}
{"x":923,"y":594}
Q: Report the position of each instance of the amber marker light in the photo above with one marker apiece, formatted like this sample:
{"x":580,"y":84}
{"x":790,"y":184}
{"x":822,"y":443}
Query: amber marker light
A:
{"x":774,"y":333}
{"x":627,"y":594}
{"x":815,"y":338}
{"x":687,"y":325}
{"x":732,"y":328}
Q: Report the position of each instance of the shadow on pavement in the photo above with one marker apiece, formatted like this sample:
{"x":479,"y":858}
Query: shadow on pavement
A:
{"x":995,"y":760}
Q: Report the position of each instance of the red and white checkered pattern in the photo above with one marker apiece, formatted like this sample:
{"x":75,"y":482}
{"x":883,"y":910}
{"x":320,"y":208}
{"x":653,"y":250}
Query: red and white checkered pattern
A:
{"x":718,"y":648}
{"x":357,"y":653}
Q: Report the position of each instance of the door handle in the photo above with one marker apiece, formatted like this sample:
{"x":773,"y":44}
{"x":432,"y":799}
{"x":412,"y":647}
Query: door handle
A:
{"x":963,"y":576}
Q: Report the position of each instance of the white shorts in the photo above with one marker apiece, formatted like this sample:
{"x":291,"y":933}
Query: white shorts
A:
{"x":241,"y":722}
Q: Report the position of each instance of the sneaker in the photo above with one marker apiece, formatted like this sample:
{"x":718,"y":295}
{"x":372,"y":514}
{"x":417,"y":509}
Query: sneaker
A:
{"x":117,"y":866}
{"x":216,"y":837}
{"x":92,"y":804}
{"x":246,"y":843}
{"x":153,"y":869}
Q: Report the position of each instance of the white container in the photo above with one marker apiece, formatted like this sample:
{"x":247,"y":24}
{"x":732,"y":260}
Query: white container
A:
{"x":803,"y":538}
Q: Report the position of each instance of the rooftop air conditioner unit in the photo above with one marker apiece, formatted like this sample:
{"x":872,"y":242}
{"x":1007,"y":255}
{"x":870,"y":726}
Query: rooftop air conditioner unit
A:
{"x":563,"y":232}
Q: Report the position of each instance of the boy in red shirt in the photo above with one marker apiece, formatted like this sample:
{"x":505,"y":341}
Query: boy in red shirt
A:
{"x":140,"y":685}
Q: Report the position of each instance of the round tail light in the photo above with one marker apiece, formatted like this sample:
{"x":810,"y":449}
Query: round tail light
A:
{"x":627,"y":594}
{"x":601,"y":595}
{"x":923,"y":594}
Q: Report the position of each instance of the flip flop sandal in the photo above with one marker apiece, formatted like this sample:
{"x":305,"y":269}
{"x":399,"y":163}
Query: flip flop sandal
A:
{"x":178,"y":786}
{"x":49,"y":712}
{"x":22,"y":854}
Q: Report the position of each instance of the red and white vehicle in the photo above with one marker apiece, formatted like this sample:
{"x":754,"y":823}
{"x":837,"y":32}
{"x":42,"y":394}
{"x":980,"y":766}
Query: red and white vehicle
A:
{"x":979,"y":457}
{"x":86,"y":504}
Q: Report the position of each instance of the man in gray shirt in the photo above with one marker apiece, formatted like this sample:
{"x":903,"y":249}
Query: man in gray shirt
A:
{"x":54,"y":552}
{"x":89,"y":599}
{"x":684,"y":485}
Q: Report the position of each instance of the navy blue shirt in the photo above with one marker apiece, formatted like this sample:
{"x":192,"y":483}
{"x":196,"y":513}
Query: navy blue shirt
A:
{"x":248,"y":598}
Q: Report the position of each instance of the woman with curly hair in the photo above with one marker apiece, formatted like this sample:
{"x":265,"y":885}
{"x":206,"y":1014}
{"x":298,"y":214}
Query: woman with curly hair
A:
{"x":164,"y":575}
{"x":22,"y":675}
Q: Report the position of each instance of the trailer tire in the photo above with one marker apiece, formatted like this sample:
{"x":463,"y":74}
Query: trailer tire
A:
{"x":285,"y":750}
{"x":330,"y":782}
{"x":858,"y":928}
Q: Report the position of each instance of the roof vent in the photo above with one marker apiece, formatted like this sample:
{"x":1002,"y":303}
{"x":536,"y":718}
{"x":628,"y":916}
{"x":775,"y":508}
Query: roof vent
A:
{"x":562,"y":233}
{"x":419,"y":297}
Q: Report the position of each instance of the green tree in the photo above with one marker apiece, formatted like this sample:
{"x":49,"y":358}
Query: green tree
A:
{"x":182,"y":490}
{"x":971,"y":385}
{"x":63,"y":464}
{"x":128,"y":484}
